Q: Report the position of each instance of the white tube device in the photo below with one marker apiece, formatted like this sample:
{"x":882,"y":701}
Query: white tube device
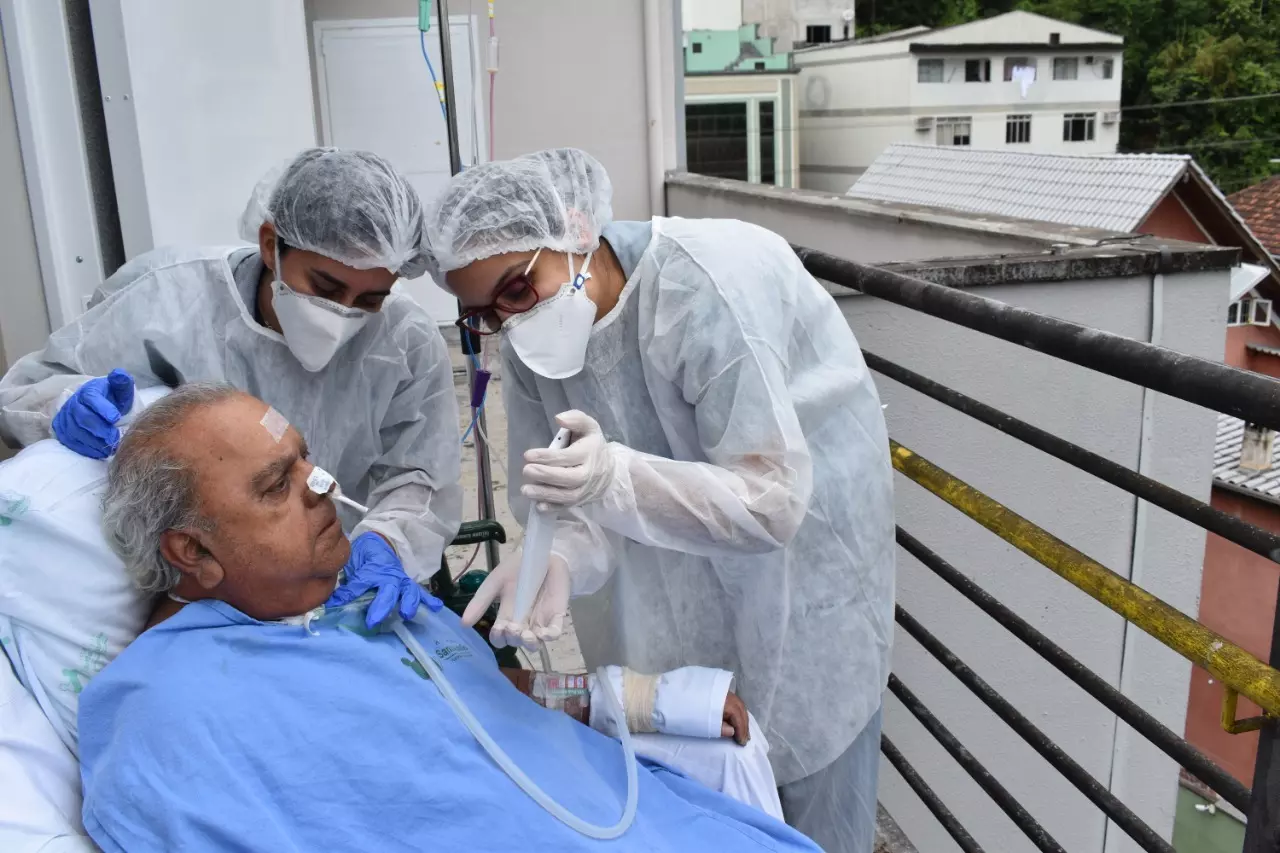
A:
{"x":539,"y":533}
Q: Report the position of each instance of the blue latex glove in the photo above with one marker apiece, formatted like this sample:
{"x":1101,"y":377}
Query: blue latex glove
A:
{"x":87,"y":422}
{"x":374,"y":565}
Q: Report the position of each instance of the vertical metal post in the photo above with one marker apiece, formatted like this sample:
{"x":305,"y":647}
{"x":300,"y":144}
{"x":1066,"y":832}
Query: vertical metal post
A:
{"x":1262,"y":835}
{"x":470,"y":342}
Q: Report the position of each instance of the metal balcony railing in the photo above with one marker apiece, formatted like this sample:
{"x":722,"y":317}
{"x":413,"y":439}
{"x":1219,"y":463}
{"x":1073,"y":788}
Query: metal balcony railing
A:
{"x":1250,"y":396}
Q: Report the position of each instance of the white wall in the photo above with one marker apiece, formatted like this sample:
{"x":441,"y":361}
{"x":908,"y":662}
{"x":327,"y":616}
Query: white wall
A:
{"x":572,"y":73}
{"x":711,"y":14}
{"x":1104,"y":416}
{"x":1099,"y":413}
{"x":201,"y":100}
{"x":847,"y":227}
{"x":24,"y":319}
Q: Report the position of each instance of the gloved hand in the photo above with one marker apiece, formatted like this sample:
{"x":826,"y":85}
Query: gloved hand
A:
{"x":374,"y":565}
{"x":87,"y":422}
{"x":546,"y":617}
{"x":577,"y":474}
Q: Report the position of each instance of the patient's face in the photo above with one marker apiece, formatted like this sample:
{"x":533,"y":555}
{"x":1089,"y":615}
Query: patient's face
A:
{"x":276,"y":545}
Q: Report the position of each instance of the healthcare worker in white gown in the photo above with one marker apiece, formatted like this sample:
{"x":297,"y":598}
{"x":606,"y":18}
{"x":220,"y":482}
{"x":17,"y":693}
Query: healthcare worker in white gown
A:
{"x":304,"y":320}
{"x":727,"y":499}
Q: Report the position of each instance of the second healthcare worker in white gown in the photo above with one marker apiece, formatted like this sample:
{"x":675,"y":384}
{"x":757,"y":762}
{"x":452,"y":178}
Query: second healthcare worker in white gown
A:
{"x":727,"y":497}
{"x":306,"y":321}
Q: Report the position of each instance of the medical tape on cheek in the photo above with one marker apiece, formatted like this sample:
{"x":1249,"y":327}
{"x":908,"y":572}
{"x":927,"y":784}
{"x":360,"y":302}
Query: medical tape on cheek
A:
{"x":275,"y":424}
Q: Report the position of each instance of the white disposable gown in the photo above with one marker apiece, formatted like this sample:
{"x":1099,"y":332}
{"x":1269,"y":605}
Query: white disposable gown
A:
{"x":758,"y":533}
{"x":381,"y":417}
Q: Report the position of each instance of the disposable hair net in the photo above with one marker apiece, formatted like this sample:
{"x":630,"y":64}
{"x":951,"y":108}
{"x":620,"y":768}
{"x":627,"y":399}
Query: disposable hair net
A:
{"x":559,"y":199}
{"x":351,"y":206}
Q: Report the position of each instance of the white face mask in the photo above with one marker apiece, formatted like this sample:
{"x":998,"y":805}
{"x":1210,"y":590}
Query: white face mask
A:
{"x":314,"y":328}
{"x":551,"y":338}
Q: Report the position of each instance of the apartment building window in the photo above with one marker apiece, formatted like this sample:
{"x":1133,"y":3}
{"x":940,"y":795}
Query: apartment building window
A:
{"x":1078,"y":127}
{"x":1066,"y":67}
{"x":716,"y":139}
{"x":929,"y":71}
{"x":1011,"y":63}
{"x":817,"y":34}
{"x":1017,"y":129}
{"x":697,"y":47}
{"x":768,"y":174}
{"x":977,"y":71}
{"x":954,"y":130}
{"x":1108,"y":69}
{"x":1249,"y":312}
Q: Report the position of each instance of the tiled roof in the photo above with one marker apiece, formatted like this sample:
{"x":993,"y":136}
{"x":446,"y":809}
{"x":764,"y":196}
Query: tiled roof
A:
{"x":1110,"y":191}
{"x":1260,"y":207}
{"x":1226,"y":463}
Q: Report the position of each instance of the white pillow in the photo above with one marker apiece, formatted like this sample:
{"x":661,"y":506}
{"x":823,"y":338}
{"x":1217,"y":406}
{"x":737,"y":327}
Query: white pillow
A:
{"x":40,"y":808}
{"x":67,"y":601}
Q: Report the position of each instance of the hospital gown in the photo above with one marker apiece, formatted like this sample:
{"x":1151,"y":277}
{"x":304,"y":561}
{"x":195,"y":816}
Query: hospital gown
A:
{"x":214,"y":731}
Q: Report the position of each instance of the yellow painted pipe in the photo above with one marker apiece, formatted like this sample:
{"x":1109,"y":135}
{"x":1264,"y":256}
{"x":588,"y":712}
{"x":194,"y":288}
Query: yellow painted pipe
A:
{"x":1236,"y":668}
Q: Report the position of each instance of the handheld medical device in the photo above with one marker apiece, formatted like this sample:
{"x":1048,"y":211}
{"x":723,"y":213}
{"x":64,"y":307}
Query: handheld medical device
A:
{"x":538,"y":535}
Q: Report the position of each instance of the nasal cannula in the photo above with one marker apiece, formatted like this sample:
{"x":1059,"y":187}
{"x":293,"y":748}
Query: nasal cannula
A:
{"x":322,"y":482}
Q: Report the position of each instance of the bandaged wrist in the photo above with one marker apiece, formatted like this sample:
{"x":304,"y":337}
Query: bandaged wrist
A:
{"x":688,"y":701}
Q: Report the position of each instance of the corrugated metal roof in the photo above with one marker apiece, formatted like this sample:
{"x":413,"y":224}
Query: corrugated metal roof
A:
{"x":1226,"y":463}
{"x":1264,"y":350}
{"x":1109,"y":191}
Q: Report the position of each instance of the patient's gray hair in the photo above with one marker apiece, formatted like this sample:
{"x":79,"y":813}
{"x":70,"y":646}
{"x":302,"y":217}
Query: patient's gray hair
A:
{"x":149,"y":490}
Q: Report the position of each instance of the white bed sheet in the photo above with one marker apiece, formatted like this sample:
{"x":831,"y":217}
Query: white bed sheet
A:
{"x":40,"y":778}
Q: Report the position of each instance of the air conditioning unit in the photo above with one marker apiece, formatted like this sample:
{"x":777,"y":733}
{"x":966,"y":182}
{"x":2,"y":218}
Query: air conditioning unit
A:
{"x":924,"y":124}
{"x":1088,"y":60}
{"x":1112,"y":117}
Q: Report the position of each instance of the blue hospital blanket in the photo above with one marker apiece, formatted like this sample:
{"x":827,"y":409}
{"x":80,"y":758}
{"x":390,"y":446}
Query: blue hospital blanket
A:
{"x":214,"y":731}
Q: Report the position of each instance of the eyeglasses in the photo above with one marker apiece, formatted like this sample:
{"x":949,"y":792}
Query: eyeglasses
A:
{"x":515,"y":296}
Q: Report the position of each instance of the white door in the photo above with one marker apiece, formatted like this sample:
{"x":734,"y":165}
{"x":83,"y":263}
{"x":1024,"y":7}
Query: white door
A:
{"x":376,"y":94}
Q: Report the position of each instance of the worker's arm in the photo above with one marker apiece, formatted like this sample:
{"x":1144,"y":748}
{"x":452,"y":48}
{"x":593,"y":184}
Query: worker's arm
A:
{"x":414,"y":494}
{"x":105,"y":337}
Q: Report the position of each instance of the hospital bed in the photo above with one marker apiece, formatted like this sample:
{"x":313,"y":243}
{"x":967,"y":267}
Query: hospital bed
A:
{"x":67,"y":608}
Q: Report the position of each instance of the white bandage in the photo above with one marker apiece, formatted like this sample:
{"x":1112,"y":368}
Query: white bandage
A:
{"x":275,"y":423}
{"x":320,"y":481}
{"x":639,"y":692}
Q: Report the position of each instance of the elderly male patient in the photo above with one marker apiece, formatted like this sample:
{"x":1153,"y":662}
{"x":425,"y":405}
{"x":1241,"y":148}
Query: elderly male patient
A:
{"x":252,"y":717}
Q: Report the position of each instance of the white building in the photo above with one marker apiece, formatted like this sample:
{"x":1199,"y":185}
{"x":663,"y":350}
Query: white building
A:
{"x":797,"y":22}
{"x":711,"y":15}
{"x":1018,"y":81}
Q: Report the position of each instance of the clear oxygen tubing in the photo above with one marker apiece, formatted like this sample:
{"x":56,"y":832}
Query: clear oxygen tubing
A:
{"x":603,"y":833}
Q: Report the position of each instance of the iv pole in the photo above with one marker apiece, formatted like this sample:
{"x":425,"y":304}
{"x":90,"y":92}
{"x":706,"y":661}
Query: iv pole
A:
{"x":470,"y":341}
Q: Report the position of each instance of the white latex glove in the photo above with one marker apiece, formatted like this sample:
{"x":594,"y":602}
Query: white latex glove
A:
{"x":577,"y":474}
{"x":546,"y":617}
